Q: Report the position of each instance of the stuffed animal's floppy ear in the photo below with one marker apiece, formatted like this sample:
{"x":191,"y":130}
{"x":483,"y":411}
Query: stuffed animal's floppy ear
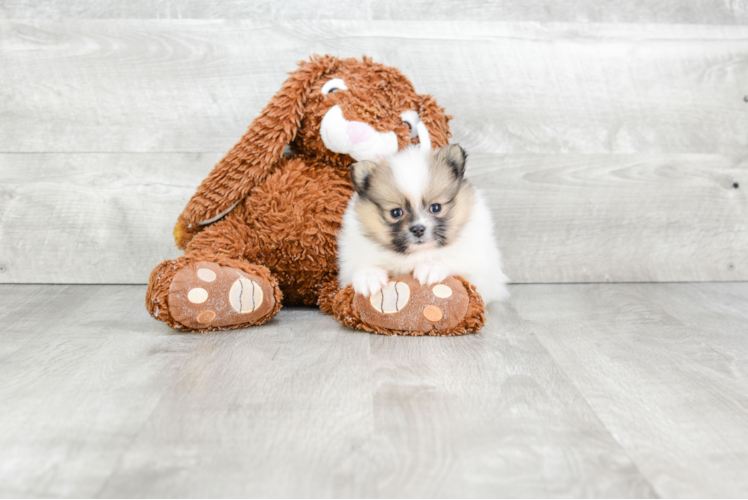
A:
{"x":437,"y":122}
{"x":455,"y":157}
{"x":360,"y":175}
{"x":256,"y":155}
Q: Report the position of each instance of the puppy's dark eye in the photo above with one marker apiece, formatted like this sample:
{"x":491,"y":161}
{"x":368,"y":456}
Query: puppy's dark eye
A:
{"x":435,"y":208}
{"x":410,"y":127}
{"x":332,"y":90}
{"x":396,"y":213}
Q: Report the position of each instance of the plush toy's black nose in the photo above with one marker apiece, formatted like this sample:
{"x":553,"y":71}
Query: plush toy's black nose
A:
{"x":418,"y":230}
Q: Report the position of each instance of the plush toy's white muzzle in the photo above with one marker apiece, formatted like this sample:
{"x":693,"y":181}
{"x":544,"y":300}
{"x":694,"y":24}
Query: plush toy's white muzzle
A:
{"x":359,"y":139}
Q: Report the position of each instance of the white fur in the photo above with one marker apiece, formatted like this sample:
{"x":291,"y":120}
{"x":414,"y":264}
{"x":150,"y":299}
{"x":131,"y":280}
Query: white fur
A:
{"x":370,"y":280}
{"x":474,"y":256}
{"x":411,"y":172}
{"x":428,"y":273}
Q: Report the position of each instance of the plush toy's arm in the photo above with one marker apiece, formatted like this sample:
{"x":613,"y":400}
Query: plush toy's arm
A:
{"x":245,"y":166}
{"x":256,"y":155}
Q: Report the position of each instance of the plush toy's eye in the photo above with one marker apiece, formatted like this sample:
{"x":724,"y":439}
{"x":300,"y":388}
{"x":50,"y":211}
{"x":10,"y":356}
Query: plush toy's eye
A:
{"x":396,"y":213}
{"x":410,"y":127}
{"x":333,"y":85}
{"x":435,"y":208}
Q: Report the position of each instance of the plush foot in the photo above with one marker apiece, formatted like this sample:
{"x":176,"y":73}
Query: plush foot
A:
{"x":405,"y":307}
{"x":206,"y":296}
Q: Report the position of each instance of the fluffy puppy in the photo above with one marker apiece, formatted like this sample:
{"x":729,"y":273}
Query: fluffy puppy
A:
{"x":414,"y":212}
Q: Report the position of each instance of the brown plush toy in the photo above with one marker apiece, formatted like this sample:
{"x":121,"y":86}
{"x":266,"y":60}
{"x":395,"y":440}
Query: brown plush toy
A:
{"x":261,"y":229}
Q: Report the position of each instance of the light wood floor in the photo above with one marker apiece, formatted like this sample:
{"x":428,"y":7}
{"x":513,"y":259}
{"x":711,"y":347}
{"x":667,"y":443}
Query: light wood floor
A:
{"x":634,"y":390}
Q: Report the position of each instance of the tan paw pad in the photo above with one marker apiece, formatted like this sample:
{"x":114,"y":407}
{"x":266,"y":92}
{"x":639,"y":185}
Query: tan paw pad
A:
{"x":432,"y":313}
{"x":206,"y":274}
{"x":442,"y":291}
{"x":245,"y":296}
{"x":197,"y":295}
{"x":391,"y":298}
{"x":206,"y":317}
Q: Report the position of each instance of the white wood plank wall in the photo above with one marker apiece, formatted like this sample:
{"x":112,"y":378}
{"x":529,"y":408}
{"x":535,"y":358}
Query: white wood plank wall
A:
{"x":613,"y":137}
{"x":629,"y":11}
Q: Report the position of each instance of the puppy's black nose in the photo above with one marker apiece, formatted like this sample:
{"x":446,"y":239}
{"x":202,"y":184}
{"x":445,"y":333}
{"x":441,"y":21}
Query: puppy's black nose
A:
{"x":418,"y":230}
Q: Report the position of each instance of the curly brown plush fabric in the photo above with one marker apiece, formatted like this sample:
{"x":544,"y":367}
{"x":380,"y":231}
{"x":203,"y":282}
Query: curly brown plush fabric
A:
{"x":278,"y":216}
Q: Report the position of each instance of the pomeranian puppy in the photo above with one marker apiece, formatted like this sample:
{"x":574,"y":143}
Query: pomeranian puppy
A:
{"x":414,"y":212}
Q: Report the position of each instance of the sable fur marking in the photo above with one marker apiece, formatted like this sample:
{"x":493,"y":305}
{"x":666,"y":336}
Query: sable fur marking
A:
{"x":455,"y":157}
{"x":360,"y":175}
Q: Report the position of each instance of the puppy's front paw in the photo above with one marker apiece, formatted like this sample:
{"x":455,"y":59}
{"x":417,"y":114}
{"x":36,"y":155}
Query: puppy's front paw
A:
{"x":369,"y":281}
{"x":428,"y":273}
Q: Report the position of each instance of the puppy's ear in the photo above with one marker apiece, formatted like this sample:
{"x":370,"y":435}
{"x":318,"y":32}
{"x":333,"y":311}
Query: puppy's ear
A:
{"x":361,"y":175}
{"x":455,"y":157}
